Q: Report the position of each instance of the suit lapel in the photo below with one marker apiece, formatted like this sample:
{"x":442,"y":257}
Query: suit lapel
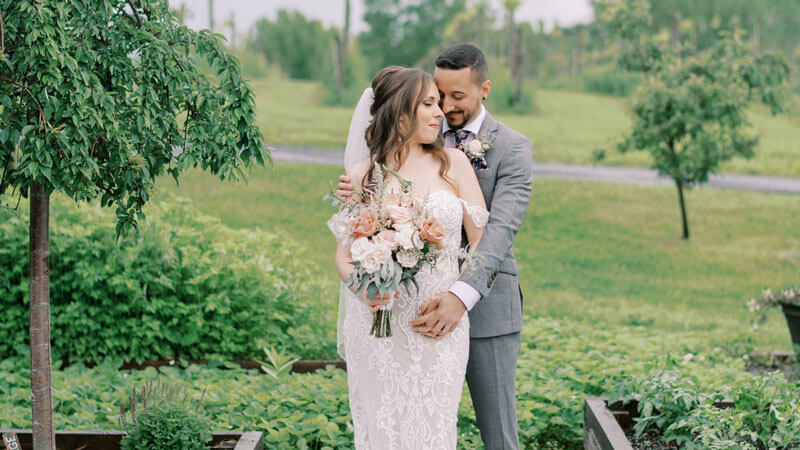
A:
{"x":489,"y":125}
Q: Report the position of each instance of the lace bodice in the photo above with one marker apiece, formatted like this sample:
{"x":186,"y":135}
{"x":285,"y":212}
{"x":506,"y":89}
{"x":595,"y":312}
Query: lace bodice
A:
{"x":450,"y":210}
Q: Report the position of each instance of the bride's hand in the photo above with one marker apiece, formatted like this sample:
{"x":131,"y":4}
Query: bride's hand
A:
{"x":375,"y":304}
{"x":345,"y":187}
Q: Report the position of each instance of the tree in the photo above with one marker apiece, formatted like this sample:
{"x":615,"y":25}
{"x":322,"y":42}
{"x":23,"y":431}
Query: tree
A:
{"x":299,"y":46}
{"x":99,"y":98}
{"x":341,"y":45}
{"x":403,"y":32}
{"x":690,"y":113}
{"x":514,"y":50}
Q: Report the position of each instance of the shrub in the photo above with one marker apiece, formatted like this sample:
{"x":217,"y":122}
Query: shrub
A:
{"x":611,"y":81}
{"x":160,"y":417}
{"x":766,"y":412}
{"x":183,"y":286}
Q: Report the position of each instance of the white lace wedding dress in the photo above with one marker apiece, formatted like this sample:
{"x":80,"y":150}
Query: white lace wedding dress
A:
{"x":405,"y":389}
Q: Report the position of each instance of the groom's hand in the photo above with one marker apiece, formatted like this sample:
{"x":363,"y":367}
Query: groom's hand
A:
{"x":345,"y":187}
{"x":439,"y":316}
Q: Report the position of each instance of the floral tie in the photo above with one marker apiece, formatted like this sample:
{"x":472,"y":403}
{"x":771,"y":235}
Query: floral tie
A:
{"x":460,"y":136}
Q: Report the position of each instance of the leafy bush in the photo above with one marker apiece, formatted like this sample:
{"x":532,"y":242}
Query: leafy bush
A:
{"x":561,"y":362}
{"x":162,"y":417}
{"x":183,"y":286}
{"x":766,"y":412}
{"x":611,"y":81}
{"x":296,"y":411}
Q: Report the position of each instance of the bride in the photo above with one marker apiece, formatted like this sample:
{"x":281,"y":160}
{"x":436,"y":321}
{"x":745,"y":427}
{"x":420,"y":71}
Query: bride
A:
{"x":405,"y":389}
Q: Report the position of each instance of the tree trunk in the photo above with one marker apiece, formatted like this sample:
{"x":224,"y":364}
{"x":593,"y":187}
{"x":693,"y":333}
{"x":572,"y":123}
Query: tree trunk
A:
{"x":482,"y":11}
{"x":211,"y":15}
{"x":675,"y":37}
{"x":757,"y":36}
{"x":577,"y":53}
{"x":515,"y":57}
{"x":340,"y":46}
{"x":41,"y":396}
{"x":685,"y":220}
{"x":232,"y":24}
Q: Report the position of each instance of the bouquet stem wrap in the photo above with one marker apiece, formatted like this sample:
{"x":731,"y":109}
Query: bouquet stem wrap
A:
{"x":381,"y":321}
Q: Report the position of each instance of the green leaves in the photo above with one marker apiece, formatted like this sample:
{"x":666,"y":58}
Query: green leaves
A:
{"x":687,"y":413}
{"x":690,"y":112}
{"x":182,"y":286}
{"x":86,"y":94}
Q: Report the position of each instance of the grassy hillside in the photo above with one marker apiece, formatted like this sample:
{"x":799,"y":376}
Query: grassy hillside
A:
{"x":594,"y":252}
{"x":567,"y":127}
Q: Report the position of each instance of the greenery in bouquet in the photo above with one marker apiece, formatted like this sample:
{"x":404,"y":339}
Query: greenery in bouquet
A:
{"x":769,"y":299}
{"x":391,"y":236}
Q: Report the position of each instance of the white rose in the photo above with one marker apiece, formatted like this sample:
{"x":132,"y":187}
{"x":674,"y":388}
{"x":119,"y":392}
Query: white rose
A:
{"x":405,"y":235}
{"x":475,"y":148}
{"x":419,"y":244}
{"x":381,"y":253}
{"x":407,"y":259}
{"x":379,"y":256}
{"x":361,"y":248}
{"x":370,"y":265}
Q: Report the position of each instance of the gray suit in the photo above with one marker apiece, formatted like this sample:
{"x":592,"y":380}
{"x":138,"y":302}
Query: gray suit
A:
{"x":496,"y":320}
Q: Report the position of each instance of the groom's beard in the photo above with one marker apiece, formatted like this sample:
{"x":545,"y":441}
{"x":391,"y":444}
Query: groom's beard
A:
{"x":456,"y":115}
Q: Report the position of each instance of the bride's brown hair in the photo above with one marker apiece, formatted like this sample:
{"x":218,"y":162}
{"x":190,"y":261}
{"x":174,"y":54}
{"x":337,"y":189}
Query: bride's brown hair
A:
{"x":398,"y":92}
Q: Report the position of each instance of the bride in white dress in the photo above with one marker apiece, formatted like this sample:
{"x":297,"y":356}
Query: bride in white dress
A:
{"x":405,"y":389}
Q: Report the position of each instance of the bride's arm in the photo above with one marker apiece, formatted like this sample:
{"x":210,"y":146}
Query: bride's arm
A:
{"x":469,"y":190}
{"x":343,"y":255}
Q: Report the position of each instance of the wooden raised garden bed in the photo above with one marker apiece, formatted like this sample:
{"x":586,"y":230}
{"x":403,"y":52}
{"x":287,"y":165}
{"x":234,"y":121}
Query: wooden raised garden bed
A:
{"x":109,"y":440}
{"x":605,"y":426}
{"x":303,"y":366}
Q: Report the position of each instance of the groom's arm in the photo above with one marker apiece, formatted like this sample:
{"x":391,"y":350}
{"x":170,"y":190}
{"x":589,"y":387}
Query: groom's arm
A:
{"x":441,"y":314}
{"x":509,"y":203}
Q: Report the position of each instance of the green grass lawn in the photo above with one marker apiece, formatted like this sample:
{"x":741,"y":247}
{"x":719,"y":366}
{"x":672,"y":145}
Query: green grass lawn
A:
{"x":587,"y":251}
{"x":567,"y":128}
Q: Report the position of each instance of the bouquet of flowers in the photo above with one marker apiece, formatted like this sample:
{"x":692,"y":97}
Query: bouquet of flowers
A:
{"x":391,"y":237}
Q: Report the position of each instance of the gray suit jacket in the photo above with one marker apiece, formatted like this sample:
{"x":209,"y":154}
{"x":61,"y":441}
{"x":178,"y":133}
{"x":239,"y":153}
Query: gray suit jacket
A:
{"x":506,"y":185}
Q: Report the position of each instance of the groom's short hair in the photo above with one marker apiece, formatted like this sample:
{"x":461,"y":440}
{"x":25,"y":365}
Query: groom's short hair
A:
{"x":462,"y":56}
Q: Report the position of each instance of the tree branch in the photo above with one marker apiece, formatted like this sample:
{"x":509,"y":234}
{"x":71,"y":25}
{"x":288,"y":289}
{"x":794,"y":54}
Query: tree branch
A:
{"x":135,"y":12}
{"x":2,"y":34}
{"x":42,"y":118}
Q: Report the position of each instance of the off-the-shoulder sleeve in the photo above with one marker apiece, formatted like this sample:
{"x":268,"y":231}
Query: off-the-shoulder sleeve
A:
{"x":478,"y":214}
{"x":338,"y":224}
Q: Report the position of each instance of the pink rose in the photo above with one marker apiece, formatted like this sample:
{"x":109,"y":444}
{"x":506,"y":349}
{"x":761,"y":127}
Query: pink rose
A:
{"x":365,"y":224}
{"x":386,"y":238}
{"x":433,"y":231}
{"x":399,"y":214}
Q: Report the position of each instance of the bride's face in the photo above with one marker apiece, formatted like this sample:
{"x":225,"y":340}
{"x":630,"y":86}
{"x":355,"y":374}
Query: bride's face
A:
{"x":429,"y":116}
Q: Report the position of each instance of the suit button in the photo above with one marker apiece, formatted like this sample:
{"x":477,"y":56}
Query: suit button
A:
{"x":491,"y":280}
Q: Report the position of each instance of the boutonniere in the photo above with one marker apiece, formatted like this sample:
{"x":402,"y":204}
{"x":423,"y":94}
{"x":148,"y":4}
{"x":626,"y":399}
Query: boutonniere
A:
{"x":476,"y":150}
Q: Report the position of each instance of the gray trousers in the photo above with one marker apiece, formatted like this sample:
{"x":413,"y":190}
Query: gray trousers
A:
{"x":491,"y":377}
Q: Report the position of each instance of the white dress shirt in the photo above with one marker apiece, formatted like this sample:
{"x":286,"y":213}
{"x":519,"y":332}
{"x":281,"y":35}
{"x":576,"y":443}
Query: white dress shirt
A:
{"x":468,"y":295}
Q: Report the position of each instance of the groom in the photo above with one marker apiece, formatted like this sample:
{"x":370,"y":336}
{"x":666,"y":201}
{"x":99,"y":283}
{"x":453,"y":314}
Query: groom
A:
{"x":490,"y":291}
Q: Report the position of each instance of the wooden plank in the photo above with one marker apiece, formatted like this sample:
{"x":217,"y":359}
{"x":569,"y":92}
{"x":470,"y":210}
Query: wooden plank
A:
{"x":302,"y":366}
{"x":251,"y":440}
{"x":600,"y":429}
{"x":11,"y":442}
{"x":110,"y":439}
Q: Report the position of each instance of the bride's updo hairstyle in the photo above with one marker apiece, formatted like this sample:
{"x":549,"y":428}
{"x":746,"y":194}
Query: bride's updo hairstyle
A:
{"x":397,"y":93}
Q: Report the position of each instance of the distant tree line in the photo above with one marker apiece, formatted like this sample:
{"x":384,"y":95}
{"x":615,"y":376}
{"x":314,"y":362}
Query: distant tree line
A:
{"x":412,"y":33}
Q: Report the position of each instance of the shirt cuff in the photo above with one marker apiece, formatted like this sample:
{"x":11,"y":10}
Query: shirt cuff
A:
{"x":468,"y":295}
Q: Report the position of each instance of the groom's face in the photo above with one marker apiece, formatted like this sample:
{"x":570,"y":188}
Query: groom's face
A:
{"x":461,"y":97}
